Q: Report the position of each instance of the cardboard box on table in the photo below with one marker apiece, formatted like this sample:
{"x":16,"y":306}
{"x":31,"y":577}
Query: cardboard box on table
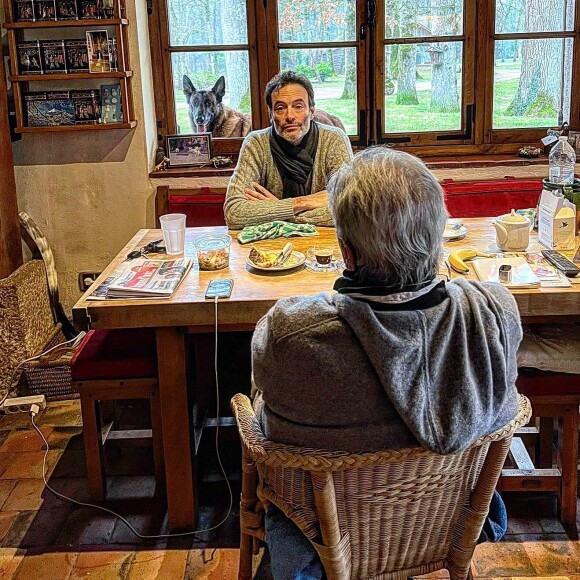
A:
{"x":556,"y":222}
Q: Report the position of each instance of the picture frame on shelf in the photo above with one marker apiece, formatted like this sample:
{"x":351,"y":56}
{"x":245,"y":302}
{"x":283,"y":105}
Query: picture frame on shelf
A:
{"x":98,"y":51}
{"x":189,"y":150}
{"x":53,"y":56}
{"x":29,"y":58}
{"x":67,"y":10}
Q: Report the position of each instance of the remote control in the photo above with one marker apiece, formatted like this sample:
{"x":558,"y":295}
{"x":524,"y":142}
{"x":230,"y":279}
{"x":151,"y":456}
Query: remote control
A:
{"x":561,"y":262}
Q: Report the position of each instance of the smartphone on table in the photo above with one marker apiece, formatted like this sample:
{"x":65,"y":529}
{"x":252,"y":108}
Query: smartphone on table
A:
{"x":219,"y":288}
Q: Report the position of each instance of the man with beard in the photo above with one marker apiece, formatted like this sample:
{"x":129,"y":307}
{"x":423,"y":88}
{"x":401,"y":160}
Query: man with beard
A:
{"x":283,"y":170}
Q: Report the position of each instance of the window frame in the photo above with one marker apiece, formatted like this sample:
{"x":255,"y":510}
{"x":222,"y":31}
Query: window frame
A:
{"x":462,"y":136}
{"x":477,"y":84}
{"x":501,"y":139}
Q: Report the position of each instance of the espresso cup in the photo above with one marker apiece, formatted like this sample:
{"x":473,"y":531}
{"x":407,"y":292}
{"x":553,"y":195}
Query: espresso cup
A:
{"x":322,"y":255}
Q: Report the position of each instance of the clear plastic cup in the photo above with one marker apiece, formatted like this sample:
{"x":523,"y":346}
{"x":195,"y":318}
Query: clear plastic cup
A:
{"x":213,"y":251}
{"x":173,"y":228}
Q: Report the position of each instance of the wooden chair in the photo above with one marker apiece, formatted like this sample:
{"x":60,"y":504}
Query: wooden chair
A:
{"x":552,"y":395}
{"x":387,"y":515}
{"x":113,"y":365}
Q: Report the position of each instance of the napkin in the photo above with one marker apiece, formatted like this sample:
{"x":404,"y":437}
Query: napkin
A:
{"x":275,"y":229}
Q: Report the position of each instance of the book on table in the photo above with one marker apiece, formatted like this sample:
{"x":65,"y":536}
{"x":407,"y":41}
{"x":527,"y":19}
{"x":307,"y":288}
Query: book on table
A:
{"x":143,"y":278}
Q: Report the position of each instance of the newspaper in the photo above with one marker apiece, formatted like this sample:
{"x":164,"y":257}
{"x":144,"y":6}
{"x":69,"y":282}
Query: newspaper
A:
{"x":143,"y":278}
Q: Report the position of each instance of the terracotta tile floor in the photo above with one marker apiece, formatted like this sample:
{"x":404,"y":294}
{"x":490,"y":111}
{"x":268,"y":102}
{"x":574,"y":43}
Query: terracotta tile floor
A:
{"x":44,"y":538}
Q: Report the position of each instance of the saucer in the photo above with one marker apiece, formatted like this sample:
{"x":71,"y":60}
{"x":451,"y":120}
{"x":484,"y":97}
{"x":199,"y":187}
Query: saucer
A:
{"x":454,"y":234}
{"x":334,"y":266}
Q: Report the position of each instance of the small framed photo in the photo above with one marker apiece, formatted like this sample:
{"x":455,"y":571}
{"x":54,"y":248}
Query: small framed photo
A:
{"x":189,"y":150}
{"x":98,"y":51}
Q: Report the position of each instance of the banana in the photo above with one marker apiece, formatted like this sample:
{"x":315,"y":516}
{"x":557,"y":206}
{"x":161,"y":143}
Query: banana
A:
{"x":458,"y":258}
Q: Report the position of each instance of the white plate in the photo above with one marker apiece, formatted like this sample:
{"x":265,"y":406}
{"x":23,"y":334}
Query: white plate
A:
{"x":450,"y":235}
{"x":296,"y":259}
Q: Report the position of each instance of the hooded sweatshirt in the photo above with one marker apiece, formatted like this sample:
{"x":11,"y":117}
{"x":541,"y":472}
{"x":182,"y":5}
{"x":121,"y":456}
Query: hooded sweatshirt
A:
{"x":340,"y":372}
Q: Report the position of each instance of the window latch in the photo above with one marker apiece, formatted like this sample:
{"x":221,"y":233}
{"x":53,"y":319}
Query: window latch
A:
{"x":363,"y":31}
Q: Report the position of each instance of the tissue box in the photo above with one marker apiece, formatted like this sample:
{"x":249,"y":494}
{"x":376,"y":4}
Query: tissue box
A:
{"x":556,"y":222}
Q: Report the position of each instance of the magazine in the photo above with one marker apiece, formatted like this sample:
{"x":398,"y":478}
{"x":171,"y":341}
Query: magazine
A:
{"x":143,"y":278}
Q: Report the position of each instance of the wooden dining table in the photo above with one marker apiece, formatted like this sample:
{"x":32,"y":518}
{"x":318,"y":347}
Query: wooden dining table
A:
{"x":254,"y":293}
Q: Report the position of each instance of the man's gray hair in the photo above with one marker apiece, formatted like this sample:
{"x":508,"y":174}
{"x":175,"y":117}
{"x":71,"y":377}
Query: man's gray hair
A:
{"x":389,"y":207}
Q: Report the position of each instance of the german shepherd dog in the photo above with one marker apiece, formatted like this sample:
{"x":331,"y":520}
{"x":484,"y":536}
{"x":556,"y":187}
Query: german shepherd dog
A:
{"x":207,"y":113}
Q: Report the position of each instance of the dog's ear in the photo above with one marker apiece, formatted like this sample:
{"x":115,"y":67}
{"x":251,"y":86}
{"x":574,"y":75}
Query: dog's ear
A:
{"x":188,"y":88}
{"x":219,"y":89}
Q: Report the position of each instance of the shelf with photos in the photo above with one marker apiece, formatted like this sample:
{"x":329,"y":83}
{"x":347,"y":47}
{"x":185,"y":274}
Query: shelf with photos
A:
{"x":66,"y":23}
{"x":46,"y":47}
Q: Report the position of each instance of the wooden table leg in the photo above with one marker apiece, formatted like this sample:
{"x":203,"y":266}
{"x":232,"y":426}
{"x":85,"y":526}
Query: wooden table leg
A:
{"x":177,"y":427}
{"x":569,"y":467}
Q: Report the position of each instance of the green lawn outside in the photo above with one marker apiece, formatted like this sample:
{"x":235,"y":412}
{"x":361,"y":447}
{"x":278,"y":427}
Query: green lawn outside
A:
{"x":407,"y":118}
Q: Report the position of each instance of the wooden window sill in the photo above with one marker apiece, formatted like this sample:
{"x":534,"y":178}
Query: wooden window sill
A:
{"x":463,"y":162}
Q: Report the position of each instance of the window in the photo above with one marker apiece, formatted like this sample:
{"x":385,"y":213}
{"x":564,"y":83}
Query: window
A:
{"x":533,"y":64}
{"x":436,"y":76}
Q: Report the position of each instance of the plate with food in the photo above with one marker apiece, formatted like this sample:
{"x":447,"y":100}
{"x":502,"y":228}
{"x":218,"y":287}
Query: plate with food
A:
{"x":454,"y":231}
{"x":275,"y":260}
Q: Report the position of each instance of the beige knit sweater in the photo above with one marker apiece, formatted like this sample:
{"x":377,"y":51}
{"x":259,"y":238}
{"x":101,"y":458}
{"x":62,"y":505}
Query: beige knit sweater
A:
{"x":256,"y":164}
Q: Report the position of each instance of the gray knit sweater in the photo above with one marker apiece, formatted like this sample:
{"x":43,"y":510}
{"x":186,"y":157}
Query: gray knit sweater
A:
{"x":256,"y":164}
{"x":336,"y":374}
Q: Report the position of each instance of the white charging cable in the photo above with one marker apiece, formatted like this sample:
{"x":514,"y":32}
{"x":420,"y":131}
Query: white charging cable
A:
{"x":34,"y":409}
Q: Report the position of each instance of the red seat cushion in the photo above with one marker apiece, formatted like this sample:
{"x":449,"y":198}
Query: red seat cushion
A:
{"x":534,"y":382}
{"x":116,"y":354}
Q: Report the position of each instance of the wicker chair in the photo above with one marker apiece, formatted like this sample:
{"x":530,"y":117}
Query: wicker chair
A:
{"x":390,"y":514}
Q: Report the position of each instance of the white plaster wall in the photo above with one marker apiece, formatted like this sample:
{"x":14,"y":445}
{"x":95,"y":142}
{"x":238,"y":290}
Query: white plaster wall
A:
{"x":90,"y":191}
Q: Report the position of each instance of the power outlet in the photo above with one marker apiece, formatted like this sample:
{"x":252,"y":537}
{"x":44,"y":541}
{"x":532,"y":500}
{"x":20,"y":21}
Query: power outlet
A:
{"x":86,"y":280}
{"x":23,"y":404}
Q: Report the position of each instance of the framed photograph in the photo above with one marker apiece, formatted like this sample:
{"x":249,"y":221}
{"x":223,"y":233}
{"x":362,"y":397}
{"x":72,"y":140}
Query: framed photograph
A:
{"x":184,"y":150}
{"x":98,"y":49}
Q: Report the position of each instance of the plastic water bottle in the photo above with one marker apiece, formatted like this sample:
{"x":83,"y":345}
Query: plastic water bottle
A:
{"x":562,"y":160}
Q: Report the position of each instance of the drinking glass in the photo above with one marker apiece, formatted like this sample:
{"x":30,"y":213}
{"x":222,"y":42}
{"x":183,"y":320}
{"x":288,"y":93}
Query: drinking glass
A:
{"x":173,"y":227}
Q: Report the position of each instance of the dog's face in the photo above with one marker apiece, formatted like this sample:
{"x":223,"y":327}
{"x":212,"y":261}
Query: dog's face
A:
{"x":204,"y":107}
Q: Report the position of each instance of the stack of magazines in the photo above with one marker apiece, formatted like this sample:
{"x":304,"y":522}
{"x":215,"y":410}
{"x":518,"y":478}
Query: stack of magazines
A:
{"x":143,"y":278}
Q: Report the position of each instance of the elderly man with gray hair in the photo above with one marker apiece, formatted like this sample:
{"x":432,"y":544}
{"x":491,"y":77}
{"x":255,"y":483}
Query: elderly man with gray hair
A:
{"x":397,"y":357}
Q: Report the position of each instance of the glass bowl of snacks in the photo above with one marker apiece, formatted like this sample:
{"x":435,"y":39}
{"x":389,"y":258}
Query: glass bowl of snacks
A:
{"x":213,"y":251}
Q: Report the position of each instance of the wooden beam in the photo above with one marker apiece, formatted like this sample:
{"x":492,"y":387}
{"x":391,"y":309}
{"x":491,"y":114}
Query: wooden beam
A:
{"x":10,"y":245}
